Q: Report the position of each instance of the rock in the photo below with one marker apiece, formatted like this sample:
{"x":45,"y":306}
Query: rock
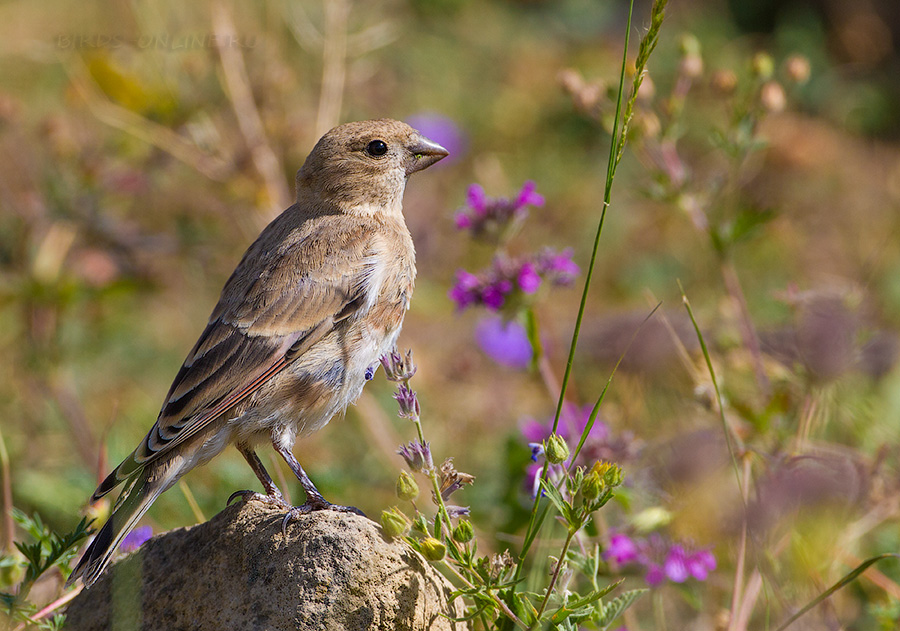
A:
{"x":237,"y":571}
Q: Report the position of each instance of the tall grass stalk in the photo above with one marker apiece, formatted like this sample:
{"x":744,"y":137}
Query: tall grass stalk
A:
{"x":617,"y":144}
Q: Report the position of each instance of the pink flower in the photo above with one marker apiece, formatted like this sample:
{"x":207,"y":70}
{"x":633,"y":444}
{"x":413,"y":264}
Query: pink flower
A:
{"x":675,"y":565}
{"x":476,"y":199}
{"x":654,"y":575}
{"x":493,"y":296}
{"x":560,"y":267}
{"x":572,"y":423}
{"x":700,"y":564}
{"x":463,"y":221}
{"x":528,"y":196}
{"x":661,"y":559}
{"x":463,"y":293}
{"x":621,"y":549}
{"x":488,"y":217}
{"x":528,"y":279}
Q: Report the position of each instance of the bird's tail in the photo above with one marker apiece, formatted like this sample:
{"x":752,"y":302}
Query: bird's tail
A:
{"x":141,"y":490}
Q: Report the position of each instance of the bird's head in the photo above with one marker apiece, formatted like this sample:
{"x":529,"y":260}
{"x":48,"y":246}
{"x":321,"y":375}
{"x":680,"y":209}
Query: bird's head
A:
{"x":363,"y":166}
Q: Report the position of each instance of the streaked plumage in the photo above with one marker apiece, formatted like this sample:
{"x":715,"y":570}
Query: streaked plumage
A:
{"x":301,"y":324}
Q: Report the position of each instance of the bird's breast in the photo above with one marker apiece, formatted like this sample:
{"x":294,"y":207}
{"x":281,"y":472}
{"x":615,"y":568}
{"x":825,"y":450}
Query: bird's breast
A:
{"x":329,"y":376}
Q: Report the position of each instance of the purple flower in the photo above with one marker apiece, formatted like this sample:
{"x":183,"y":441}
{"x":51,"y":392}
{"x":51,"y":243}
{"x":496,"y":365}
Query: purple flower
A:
{"x":477,"y":200}
{"x":700,"y":564}
{"x":528,"y":196}
{"x":558,"y":266}
{"x":504,"y":341}
{"x":492,"y":286}
{"x":675,"y":565}
{"x":407,"y":401}
{"x":135,"y":539}
{"x":398,"y":367}
{"x":489,"y":217}
{"x":621,"y":549}
{"x":555,"y":474}
{"x":654,"y":575}
{"x":528,"y":279}
{"x":493,"y":296}
{"x":661,"y":559}
{"x":463,"y":293}
{"x":417,"y":456}
{"x":457,"y":511}
{"x":534,"y":431}
{"x":571,"y":423}
{"x":442,"y":130}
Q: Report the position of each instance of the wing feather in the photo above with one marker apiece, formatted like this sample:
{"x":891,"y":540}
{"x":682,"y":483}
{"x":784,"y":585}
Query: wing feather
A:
{"x":276,"y":305}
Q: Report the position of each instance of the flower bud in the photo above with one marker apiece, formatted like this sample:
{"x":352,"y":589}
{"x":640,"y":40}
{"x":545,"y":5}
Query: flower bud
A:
{"x":724,"y":81}
{"x":408,"y":402}
{"x":398,"y":367}
{"x":797,"y":68}
{"x":763,"y":66}
{"x":417,"y":456}
{"x":610,"y":473}
{"x":420,"y":524}
{"x":688,"y":44}
{"x":691,"y":66}
{"x":592,"y":486}
{"x":556,"y":449}
{"x":407,"y":489}
{"x":463,"y":532}
{"x":432,"y":549}
{"x":772,"y":97}
{"x":394,"y":523}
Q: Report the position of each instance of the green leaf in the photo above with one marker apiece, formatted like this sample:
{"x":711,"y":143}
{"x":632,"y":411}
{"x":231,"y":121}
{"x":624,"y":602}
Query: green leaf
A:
{"x":556,"y":498}
{"x":577,"y":614}
{"x":614,"y":608}
{"x":522,"y":607}
{"x":595,"y":595}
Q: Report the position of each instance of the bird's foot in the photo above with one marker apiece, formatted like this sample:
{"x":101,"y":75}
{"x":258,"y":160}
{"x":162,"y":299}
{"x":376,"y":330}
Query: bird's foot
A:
{"x":275,"y":499}
{"x":315,"y":504}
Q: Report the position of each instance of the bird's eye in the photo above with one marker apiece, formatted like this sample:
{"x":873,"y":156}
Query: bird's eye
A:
{"x":376,"y":148}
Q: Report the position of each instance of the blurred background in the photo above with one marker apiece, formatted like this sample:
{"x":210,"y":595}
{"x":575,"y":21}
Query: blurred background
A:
{"x":144,"y":145}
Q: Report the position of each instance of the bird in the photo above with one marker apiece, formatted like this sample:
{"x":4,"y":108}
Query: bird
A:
{"x":299,"y":328}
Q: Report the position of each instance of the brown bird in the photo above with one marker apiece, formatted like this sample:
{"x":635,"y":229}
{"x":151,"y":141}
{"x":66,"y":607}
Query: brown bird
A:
{"x":299,"y":328}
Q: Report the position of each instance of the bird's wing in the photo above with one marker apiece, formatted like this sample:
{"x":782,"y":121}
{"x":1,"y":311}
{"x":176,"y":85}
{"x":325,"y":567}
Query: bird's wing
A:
{"x":275,"y":306}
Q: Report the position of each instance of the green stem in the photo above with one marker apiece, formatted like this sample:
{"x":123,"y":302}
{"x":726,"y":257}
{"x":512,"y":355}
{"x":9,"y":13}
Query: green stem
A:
{"x":556,"y":571}
{"x":8,"y":527}
{"x":535,"y":521}
{"x":455,"y":554}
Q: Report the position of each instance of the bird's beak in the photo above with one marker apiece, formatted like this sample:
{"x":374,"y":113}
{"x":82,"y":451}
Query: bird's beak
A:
{"x":423,"y":153}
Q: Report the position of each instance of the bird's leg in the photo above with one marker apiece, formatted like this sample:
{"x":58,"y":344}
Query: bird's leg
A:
{"x":314,"y":500}
{"x":273,"y":494}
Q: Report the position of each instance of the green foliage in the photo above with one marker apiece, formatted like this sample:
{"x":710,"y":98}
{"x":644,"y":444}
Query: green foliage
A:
{"x":48,"y":550}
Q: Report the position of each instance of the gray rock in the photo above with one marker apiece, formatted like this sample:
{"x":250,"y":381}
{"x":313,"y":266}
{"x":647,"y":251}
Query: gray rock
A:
{"x":237,"y":571}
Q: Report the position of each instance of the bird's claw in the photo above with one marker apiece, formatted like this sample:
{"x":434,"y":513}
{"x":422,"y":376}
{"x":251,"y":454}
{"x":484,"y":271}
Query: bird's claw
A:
{"x":314,"y":505}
